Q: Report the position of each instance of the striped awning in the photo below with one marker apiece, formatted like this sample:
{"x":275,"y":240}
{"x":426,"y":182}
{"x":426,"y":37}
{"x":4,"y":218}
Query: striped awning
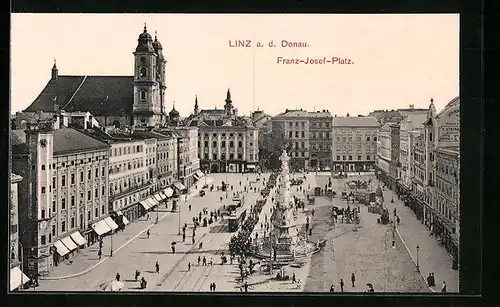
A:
{"x":109,"y":221}
{"x":151,"y":202}
{"x":145,"y":204}
{"x":101,"y":227}
{"x":78,"y":238}
{"x":69,"y":243}
{"x":17,"y":278}
{"x":179,"y":186}
{"x":124,"y":220}
{"x":60,"y":248}
{"x":157,"y":197}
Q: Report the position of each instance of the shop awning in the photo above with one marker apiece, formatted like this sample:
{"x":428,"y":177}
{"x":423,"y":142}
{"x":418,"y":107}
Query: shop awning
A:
{"x":69,"y":243}
{"x":101,"y":227}
{"x":250,"y":166}
{"x":196,"y":175}
{"x":78,"y":238}
{"x":151,"y":202}
{"x":17,"y":277}
{"x":145,"y":204}
{"x":124,"y":220}
{"x":162,"y":195}
{"x":179,"y":186}
{"x":157,"y":197}
{"x":61,"y":249}
{"x":119,"y":212}
{"x":169,"y":192}
{"x":111,"y":223}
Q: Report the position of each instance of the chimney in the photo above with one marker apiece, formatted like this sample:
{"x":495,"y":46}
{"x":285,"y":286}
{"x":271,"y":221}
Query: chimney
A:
{"x":412,"y":107}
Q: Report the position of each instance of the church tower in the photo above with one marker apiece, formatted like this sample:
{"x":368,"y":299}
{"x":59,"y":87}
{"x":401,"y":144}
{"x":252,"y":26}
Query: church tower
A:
{"x":160,"y":77}
{"x":228,"y":107}
{"x":196,"y":107}
{"x":147,"y":103}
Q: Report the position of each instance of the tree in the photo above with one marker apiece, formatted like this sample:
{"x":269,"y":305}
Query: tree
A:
{"x":271,"y":145}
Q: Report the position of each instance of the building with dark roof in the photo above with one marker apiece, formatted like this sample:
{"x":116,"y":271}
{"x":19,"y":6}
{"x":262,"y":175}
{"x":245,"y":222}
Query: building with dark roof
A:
{"x":137,"y":100}
{"x":227,"y":142}
{"x":354,"y":143}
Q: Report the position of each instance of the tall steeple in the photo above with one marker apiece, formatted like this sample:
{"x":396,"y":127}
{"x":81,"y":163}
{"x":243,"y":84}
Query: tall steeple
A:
{"x":228,"y":107}
{"x":196,"y":107}
{"x":54,"y":70}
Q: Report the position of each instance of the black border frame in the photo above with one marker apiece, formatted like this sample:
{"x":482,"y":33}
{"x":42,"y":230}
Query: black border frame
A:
{"x":472,"y":146}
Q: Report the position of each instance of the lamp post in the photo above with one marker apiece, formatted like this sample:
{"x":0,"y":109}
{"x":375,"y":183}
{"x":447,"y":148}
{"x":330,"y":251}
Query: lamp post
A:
{"x":418,"y":266}
{"x":179,"y":206}
{"x":111,"y":245}
{"x":227,"y":170}
{"x":157,"y":209}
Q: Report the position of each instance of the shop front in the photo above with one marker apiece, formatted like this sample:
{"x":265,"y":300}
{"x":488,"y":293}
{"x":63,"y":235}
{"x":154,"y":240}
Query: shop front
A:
{"x":133,"y":212}
{"x":120,"y":219}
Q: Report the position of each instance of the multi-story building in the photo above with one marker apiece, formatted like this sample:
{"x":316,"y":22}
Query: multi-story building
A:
{"x":292,"y":129}
{"x":262,"y":121}
{"x":16,"y":276}
{"x":226,"y":142}
{"x":63,"y":194}
{"x":388,"y":154}
{"x":188,"y":163}
{"x":355,"y":143}
{"x":410,"y":126}
{"x":320,"y":140}
{"x":121,"y":101}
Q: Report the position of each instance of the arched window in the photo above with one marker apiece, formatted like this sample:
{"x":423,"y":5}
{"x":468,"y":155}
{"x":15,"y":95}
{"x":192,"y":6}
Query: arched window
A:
{"x":143,"y":72}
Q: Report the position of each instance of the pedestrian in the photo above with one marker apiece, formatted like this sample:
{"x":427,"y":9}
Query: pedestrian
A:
{"x":183,"y":236}
{"x":201,"y":245}
{"x":189,"y":266}
{"x":394,"y":211}
{"x":148,"y":233}
{"x":353,"y":279}
{"x":433,"y":280}
{"x":173,"y":249}
{"x":117,"y":276}
{"x":294,"y":279}
{"x":189,"y":207}
{"x":144,"y":283}
{"x":137,"y":274}
{"x":341,"y":285}
{"x":429,"y":280}
{"x":332,"y":289}
{"x":199,"y":260}
{"x":99,"y":253}
{"x":204,"y":260}
{"x":157,"y":267}
{"x":193,"y":240}
{"x":100,"y":244}
{"x":185,"y":225}
{"x":443,"y":288}
{"x":245,"y":286}
{"x":211,"y":261}
{"x":211,"y":286}
{"x":199,"y":216}
{"x":214,"y":286}
{"x":398,"y":220}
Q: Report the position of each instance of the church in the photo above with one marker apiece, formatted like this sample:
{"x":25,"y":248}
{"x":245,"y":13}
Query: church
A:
{"x":120,"y":101}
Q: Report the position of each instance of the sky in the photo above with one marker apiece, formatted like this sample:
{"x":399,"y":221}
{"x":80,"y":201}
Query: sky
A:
{"x":398,"y":60}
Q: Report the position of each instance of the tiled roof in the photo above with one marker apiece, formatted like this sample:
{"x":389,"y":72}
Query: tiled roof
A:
{"x":355,"y":122}
{"x":293,"y":113}
{"x":319,"y":114}
{"x":67,"y":140}
{"x":15,"y":178}
{"x":99,"y":95}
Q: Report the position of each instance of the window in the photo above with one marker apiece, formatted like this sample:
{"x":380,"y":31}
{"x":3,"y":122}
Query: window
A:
{"x":96,"y":193}
{"x":96,"y":212}
{"x":81,"y":176}
{"x":102,"y":191}
{"x":43,"y":190}
{"x":90,"y":160}
{"x":102,"y":209}
{"x":231,"y":156}
{"x":290,"y":124}
{"x":72,"y":222}
{"x":223,"y":144}
{"x":374,"y":138}
{"x":343,"y":157}
{"x":53,"y":206}
{"x":240,"y":156}
{"x":89,"y":176}
{"x":368,"y":138}
{"x":102,"y":172}
{"x":89,"y":216}
{"x":42,"y":239}
{"x":63,"y":180}
{"x":72,"y":200}
{"x":367,"y":157}
{"x":63,"y":203}
{"x":430,"y":136}
{"x":290,"y":133}
{"x":343,"y":139}
{"x":240,"y":144}
{"x":214,"y":144}
{"x":89,"y":195}
{"x":231,"y":144}
{"x":43,"y":214}
{"x":359,"y":157}
{"x":43,"y":167}
{"x":53,"y":230}
{"x":350,"y":157}
{"x":214,"y":156}
{"x":338,"y":157}
{"x":296,"y":134}
{"x":63,"y":226}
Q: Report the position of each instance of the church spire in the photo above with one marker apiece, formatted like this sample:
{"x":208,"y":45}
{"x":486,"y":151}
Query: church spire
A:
{"x":54,"y":70}
{"x":228,"y":96}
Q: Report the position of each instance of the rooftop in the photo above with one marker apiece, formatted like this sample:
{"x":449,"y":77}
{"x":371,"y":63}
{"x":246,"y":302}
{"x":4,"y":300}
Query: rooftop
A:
{"x":99,"y":95}
{"x":366,"y":121}
{"x":67,"y":140}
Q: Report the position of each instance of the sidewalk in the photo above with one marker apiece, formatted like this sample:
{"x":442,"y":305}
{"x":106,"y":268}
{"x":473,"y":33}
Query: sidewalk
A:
{"x":87,"y":259}
{"x":432,"y":256}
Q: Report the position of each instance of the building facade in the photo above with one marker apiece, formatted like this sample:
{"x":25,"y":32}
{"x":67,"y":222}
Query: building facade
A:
{"x":320,"y":140}
{"x":17,"y":276}
{"x":226,"y":142}
{"x":355,"y":143}
{"x":64,"y":192}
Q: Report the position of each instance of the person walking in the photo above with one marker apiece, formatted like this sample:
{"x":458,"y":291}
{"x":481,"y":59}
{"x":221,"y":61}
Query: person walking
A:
{"x":184,"y":236}
{"x":214,"y":286}
{"x":341,"y":285}
{"x":199,"y":260}
{"x":353,"y":279}
{"x":204,"y":260}
{"x":443,"y":288}
{"x":137,"y":274}
{"x":189,"y":266}
{"x":245,"y":286}
{"x":398,"y":220}
{"x":148,"y":233}
{"x":117,"y":276}
{"x":294,"y":279}
{"x":99,"y":253}
{"x":433,"y":280}
{"x":189,"y":207}
{"x":332,"y":289}
{"x":157,"y":267}
{"x":211,"y":286}
{"x":173,"y":249}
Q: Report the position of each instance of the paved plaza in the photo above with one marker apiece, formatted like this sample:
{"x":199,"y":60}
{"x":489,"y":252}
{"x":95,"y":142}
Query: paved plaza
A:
{"x":365,"y":251}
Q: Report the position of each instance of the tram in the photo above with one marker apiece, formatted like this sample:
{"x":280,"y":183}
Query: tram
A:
{"x":237,"y":218}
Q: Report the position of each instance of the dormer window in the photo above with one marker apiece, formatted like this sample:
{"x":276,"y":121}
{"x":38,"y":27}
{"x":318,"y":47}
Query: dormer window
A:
{"x":143,"y":95}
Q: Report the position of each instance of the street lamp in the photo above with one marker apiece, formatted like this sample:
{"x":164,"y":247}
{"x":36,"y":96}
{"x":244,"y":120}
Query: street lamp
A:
{"x":111,"y":245}
{"x":226,"y":177}
{"x":179,"y":206}
{"x":418,"y":266}
{"x":157,"y":208}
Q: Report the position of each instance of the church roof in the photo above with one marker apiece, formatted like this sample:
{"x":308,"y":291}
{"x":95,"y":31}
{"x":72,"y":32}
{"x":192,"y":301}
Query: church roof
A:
{"x":99,"y":95}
